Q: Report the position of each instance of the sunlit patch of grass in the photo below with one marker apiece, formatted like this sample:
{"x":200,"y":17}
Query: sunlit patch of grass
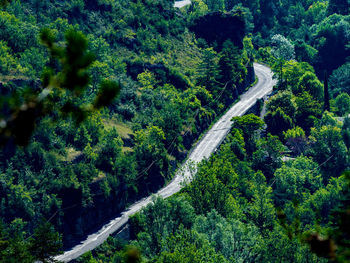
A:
{"x":72,"y":154}
{"x":8,"y":78}
{"x":127,"y":149}
{"x":99,"y":177}
{"x":123,"y":129}
{"x":171,"y":157}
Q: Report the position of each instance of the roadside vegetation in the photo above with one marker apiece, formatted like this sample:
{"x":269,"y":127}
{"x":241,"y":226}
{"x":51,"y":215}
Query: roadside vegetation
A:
{"x":277,"y":190}
{"x":102,"y":99}
{"x":68,"y":160}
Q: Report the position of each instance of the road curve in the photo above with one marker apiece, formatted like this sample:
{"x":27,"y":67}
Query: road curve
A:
{"x":182,"y":3}
{"x":204,"y":148}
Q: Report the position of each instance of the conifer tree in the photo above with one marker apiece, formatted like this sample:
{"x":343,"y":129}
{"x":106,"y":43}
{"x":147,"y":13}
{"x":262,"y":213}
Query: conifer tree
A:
{"x":208,"y":70}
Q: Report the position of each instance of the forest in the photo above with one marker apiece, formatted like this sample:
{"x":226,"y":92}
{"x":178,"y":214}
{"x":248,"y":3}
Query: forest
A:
{"x":102,"y":100}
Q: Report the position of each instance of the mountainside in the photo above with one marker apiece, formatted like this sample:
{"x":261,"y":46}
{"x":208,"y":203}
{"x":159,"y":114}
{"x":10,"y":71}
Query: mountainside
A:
{"x":277,"y":190}
{"x":76,"y":176}
{"x":101,"y":101}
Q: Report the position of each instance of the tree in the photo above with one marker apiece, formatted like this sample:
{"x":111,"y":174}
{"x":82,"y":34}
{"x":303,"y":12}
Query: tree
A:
{"x":150,"y":150}
{"x":339,"y":81}
{"x":326,"y":93}
{"x":147,"y":80}
{"x":45,"y":243}
{"x":303,"y":51}
{"x":18,"y":34}
{"x":14,"y":246}
{"x":290,"y":72}
{"x":33,"y":61}
{"x":229,"y":4}
{"x":316,"y":13}
{"x":328,"y":149}
{"x":132,"y":255}
{"x":346,"y":132}
{"x":98,"y":71}
{"x":8,"y":63}
{"x":331,"y":201}
{"x":296,"y":180}
{"x":231,"y":238}
{"x":72,"y":81}
{"x":296,"y":140}
{"x":197,"y":8}
{"x":277,"y":122}
{"x":341,"y":7}
{"x":3,"y":242}
{"x":217,"y":27}
{"x":110,"y":150}
{"x":282,"y":247}
{"x":208,"y":71}
{"x":82,"y":138}
{"x":268,"y":156}
{"x":159,"y":220}
{"x":250,"y":124}
{"x":188,"y":246}
{"x":308,"y":109}
{"x":310,"y":83}
{"x":208,"y":192}
{"x":342,"y":102}
{"x":340,"y":231}
{"x":4,"y":2}
{"x":331,"y":40}
{"x":328,"y":119}
{"x":171,"y":122}
{"x":264,"y":15}
{"x":230,"y":64}
{"x":261,"y":210}
{"x":282,"y":48}
{"x":246,"y":14}
{"x":215,"y":5}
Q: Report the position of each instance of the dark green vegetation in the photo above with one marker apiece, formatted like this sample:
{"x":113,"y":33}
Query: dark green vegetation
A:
{"x":60,"y":63}
{"x":176,"y":71}
{"x":318,"y":30}
{"x":277,"y":190}
{"x":246,"y":204}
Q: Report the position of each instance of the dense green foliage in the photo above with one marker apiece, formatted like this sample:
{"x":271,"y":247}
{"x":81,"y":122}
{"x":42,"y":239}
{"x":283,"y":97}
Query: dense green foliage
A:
{"x":273,"y":190}
{"x":250,"y":202}
{"x":229,"y":211}
{"x":61,"y":63}
{"x":309,"y":31}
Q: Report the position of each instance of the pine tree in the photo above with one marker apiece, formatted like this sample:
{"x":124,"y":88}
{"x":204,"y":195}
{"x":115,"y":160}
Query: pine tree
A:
{"x":45,"y":243}
{"x":208,"y":70}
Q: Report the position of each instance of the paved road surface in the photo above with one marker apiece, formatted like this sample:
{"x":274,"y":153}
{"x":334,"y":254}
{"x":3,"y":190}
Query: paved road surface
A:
{"x":183,"y":3}
{"x":203,"y":149}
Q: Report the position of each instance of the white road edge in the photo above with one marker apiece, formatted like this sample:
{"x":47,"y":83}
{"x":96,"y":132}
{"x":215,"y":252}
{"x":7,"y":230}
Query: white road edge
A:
{"x":205,"y":147}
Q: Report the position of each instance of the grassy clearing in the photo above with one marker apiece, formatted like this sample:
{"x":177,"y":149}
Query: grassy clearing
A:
{"x":127,"y":149}
{"x":99,"y":177}
{"x":72,"y":154}
{"x":123,"y":129}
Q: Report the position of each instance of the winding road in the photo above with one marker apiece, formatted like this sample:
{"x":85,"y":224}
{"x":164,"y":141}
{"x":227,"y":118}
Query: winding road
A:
{"x":183,"y":3}
{"x":204,"y":148}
